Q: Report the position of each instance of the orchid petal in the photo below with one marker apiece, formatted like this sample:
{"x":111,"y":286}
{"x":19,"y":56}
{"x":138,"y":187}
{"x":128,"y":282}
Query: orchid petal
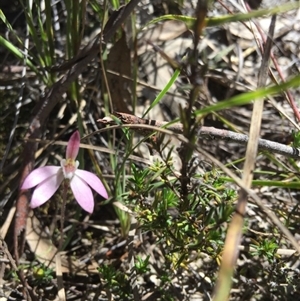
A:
{"x":39,"y":175}
{"x":73,"y":146}
{"x":45,"y":190}
{"x":93,"y":181}
{"x":82,"y":193}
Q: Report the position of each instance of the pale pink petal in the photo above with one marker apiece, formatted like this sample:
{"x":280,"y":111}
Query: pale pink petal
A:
{"x":73,"y":146}
{"x":39,"y":175}
{"x":45,"y":190}
{"x":82,"y":193}
{"x":93,"y":181}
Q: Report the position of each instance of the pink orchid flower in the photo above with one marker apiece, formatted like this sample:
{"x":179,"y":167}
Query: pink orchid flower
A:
{"x":48,"y":179}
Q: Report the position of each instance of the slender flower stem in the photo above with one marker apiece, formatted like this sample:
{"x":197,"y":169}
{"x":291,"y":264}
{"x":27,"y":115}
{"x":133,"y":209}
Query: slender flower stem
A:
{"x":62,"y":215}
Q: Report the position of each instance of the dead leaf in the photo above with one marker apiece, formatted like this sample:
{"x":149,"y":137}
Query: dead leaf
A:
{"x":119,"y":61}
{"x":45,"y":252}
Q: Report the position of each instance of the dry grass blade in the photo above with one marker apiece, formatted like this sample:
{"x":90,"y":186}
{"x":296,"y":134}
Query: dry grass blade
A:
{"x":133,"y":273}
{"x":234,"y":233}
{"x":59,"y":276}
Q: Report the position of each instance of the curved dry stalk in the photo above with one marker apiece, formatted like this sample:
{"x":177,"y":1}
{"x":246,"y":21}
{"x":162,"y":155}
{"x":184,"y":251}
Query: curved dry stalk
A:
{"x":234,"y":232}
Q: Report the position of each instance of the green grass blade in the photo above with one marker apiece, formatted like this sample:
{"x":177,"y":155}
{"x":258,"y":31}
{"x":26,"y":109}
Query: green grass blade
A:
{"x":270,"y":183}
{"x":163,"y":92}
{"x":217,"y":21}
{"x":246,"y":98}
{"x":49,"y":33}
{"x":17,"y":53}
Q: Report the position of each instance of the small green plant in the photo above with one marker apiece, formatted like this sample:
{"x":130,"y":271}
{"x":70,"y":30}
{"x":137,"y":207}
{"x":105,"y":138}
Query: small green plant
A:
{"x":115,"y":281}
{"x":142,"y":265}
{"x":42,"y":274}
{"x":155,"y":195}
{"x":296,"y":138}
{"x":265,"y":248}
{"x":13,"y":274}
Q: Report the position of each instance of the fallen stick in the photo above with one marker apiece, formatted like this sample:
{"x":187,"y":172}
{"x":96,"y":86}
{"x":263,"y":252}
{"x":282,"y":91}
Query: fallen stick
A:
{"x":206,"y":132}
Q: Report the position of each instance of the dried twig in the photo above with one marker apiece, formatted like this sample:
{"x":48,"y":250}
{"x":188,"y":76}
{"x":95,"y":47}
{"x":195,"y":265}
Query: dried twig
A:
{"x":205,"y":132}
{"x":27,"y":290}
